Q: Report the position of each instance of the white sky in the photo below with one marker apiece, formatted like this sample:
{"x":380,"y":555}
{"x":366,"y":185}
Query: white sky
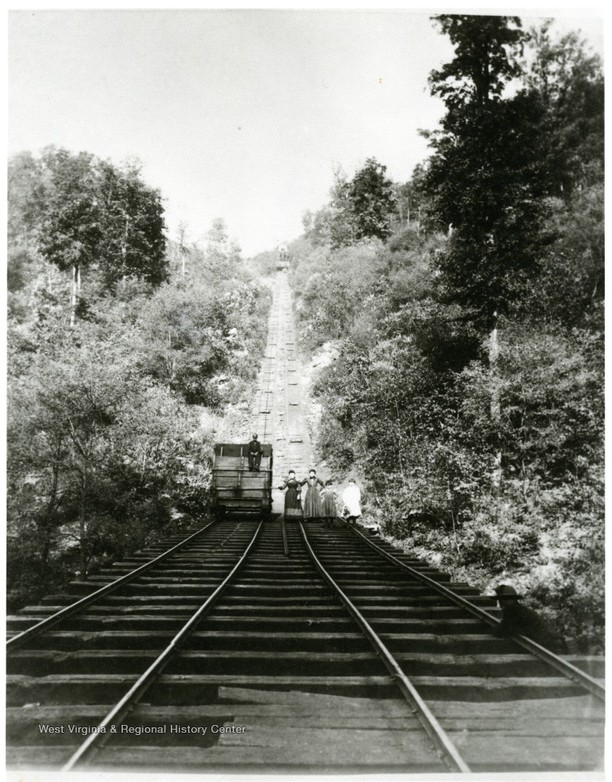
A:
{"x":240,"y":114}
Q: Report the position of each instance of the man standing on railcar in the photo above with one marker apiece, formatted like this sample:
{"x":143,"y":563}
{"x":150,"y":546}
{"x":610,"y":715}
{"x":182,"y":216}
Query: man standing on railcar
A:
{"x":254,"y":451}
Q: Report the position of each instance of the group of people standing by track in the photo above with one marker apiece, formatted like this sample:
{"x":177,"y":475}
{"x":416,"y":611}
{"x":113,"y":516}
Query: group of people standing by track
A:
{"x":320,"y":500}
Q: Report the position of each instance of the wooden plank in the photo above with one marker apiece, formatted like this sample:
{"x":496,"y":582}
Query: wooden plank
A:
{"x":294,"y":747}
{"x":579,"y":707}
{"x":531,"y":753}
{"x":530,"y":728}
{"x":260,"y":714}
{"x":387,"y":755}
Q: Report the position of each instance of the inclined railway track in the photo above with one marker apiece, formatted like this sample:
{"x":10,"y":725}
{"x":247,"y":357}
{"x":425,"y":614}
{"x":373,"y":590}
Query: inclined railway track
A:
{"x":339,"y":657}
{"x":116,"y":715}
{"x":118,"y":627}
{"x":571,"y":672}
{"x":441,"y":636}
{"x":447,"y":750}
{"x":37,"y":627}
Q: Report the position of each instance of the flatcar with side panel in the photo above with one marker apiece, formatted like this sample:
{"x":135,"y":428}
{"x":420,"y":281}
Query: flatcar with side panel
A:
{"x":235,"y":488}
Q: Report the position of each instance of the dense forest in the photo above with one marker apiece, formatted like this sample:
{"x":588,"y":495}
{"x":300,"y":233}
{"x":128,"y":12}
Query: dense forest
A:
{"x":118,"y":340}
{"x":461,"y":318}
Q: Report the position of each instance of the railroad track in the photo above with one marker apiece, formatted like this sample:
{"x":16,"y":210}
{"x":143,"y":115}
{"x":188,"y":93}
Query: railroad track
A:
{"x":333,"y":658}
{"x":507,"y":704}
{"x":71,"y":654}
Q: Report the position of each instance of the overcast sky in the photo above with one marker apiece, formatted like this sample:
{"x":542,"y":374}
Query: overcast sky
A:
{"x":234,"y":114}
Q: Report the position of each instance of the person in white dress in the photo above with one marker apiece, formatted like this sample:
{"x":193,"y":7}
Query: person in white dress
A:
{"x":351,"y":497}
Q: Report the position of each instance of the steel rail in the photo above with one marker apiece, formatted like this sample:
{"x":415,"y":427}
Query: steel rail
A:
{"x":443,"y":744}
{"x":18,"y":640}
{"x":284,"y":534}
{"x":564,"y":667}
{"x":115,"y":716}
{"x":271,"y":342}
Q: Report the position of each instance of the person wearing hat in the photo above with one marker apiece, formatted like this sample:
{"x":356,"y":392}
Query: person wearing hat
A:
{"x":517,"y":619}
{"x":254,"y":451}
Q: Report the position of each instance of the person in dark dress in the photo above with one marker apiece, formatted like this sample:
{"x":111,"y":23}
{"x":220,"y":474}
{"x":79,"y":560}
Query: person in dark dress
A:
{"x":328,"y":503}
{"x":293,"y":508}
{"x":254,"y":451}
{"x":312,"y":501}
{"x":517,"y":619}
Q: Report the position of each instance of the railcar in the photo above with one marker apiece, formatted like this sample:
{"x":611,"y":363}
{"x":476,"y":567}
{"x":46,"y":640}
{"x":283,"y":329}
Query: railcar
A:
{"x":282,"y":263}
{"x":235,"y":489}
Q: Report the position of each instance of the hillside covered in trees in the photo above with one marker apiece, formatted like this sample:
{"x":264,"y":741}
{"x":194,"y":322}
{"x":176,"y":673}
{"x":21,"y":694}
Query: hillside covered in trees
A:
{"x":117,"y":342}
{"x":463,"y":311}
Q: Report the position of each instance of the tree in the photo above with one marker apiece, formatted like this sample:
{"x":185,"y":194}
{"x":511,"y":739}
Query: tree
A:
{"x":133,"y":242}
{"x":486,"y":51}
{"x":70,"y":230}
{"x":217,"y":233}
{"x":23,"y":217}
{"x":569,"y":82}
{"x":339,"y":214}
{"x":484,"y":177}
{"x":570,"y":287}
{"x":99,"y":453}
{"x":83,"y":213}
{"x":361,"y":208}
{"x":372,"y":199}
{"x":23,"y":203}
{"x":61,"y":411}
{"x":410,"y":198}
{"x":222,"y":257}
{"x":187,"y":341}
{"x":485,"y":180}
{"x":317,"y":226}
{"x":182,"y":245}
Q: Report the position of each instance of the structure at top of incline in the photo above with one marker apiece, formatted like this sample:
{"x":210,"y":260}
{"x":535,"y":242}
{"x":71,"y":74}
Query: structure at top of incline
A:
{"x":284,"y":257}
